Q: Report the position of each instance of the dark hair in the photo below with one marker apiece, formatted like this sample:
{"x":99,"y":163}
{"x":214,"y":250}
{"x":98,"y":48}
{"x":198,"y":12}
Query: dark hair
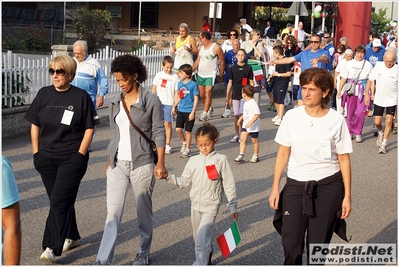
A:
{"x":322,"y":78}
{"x":342,"y":48}
{"x":235,"y":31}
{"x":207,"y":129}
{"x":278,"y":49}
{"x":206,"y":34}
{"x":187,"y":69}
{"x":360,"y":48}
{"x":248,"y":90}
{"x":283,"y":35}
{"x":128,"y":65}
{"x":292,"y":39}
{"x":242,"y":50}
{"x":374,"y":34}
{"x":316,"y":35}
{"x":167,"y":59}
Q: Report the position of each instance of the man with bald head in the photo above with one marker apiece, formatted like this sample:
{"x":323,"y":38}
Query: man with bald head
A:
{"x":383,"y":85}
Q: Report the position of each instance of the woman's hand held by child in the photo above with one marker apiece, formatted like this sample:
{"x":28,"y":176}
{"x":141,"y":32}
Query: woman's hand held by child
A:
{"x":234,"y":216}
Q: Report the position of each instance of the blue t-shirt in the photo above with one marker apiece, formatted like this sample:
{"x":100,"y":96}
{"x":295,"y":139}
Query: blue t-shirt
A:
{"x":186,"y":92}
{"x":9,"y":189}
{"x":306,"y":56}
{"x":373,"y":57}
{"x":330,"y":50}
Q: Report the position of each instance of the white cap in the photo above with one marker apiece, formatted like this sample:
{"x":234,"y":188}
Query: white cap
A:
{"x":243,"y":20}
{"x":376,"y":42}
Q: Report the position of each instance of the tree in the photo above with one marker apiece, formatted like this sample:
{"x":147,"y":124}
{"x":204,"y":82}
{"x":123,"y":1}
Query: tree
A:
{"x":379,"y":20}
{"x":91,"y":26}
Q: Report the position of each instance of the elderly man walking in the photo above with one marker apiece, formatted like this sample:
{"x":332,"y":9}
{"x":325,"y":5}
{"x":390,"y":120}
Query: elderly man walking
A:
{"x":185,"y":48}
{"x":383,"y":84}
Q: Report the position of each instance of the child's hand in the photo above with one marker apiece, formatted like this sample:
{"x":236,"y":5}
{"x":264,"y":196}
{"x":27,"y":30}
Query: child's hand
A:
{"x":234,"y":216}
{"x":191,"y":116}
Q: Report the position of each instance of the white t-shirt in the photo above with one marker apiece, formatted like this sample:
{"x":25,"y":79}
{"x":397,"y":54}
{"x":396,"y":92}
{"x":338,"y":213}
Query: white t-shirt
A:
{"x":250,"y":109}
{"x":166,"y":86}
{"x":352,"y":68}
{"x":315,"y":143}
{"x":340,"y":66}
{"x":386,"y":91}
{"x":227,"y":46}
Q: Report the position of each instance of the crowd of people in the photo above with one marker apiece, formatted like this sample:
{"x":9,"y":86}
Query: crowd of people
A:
{"x":334,"y":88}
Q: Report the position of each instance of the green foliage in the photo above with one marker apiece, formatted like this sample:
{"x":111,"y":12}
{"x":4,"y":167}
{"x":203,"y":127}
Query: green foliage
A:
{"x":379,"y":20}
{"x":91,"y":26}
{"x":34,"y":38}
{"x":136,"y":45}
{"x":9,"y":42}
{"x":17,"y":86}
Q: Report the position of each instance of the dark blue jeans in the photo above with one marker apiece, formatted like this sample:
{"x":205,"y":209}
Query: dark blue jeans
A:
{"x":61,"y":178}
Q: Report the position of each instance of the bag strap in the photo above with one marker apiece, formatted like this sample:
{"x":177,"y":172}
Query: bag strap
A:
{"x":131,"y":121}
{"x":364,"y":62}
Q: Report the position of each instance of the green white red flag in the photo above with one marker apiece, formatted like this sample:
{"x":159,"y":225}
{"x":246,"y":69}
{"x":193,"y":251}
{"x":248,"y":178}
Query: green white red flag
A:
{"x":257,"y":69}
{"x":229,"y":240}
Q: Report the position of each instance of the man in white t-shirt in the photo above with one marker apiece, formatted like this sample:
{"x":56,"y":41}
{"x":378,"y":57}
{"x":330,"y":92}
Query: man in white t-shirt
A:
{"x":383,"y":83}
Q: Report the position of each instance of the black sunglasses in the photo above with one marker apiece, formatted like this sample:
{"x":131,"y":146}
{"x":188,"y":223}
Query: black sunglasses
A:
{"x":289,"y":43}
{"x":60,"y":72}
{"x":232,"y":34}
{"x":314,"y":42}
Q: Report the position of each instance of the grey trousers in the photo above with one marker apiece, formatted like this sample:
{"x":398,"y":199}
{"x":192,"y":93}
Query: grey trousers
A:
{"x":202,"y":223}
{"x":142,"y":181}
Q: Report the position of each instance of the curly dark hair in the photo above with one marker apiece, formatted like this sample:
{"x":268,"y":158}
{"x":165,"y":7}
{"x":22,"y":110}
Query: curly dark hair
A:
{"x":209,"y":130}
{"x":128,"y":65}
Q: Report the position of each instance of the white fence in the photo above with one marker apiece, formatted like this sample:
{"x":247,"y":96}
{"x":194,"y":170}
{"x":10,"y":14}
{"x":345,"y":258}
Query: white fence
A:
{"x":23,"y":77}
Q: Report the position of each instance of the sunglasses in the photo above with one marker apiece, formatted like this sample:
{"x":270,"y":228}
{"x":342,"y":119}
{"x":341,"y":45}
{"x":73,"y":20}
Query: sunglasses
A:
{"x":326,"y":37}
{"x":314,"y":42}
{"x":289,"y":43}
{"x":233,"y":34}
{"x":60,"y":72}
{"x":258,"y":34}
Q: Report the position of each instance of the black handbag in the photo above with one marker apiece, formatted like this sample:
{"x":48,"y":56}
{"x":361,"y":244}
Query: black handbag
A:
{"x":151,"y":142}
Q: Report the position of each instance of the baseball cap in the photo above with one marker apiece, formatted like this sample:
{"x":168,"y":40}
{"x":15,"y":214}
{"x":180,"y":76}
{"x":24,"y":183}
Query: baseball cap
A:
{"x":376,"y":42}
{"x":289,"y":25}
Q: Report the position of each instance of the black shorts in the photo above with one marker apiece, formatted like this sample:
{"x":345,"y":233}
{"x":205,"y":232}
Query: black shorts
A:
{"x":379,"y":111}
{"x":253,"y":134}
{"x":183,"y":122}
{"x":279,"y":91}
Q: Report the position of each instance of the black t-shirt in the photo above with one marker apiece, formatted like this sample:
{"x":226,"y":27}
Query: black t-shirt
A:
{"x":60,"y":135}
{"x":237,"y":73}
{"x":282,"y":68}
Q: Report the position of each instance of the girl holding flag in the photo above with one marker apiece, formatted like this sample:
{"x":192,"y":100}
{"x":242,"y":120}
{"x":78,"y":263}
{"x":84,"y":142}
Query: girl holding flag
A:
{"x":211,"y":175}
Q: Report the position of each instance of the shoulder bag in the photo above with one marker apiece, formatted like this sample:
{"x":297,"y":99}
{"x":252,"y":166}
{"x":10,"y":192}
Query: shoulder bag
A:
{"x":350,"y":87}
{"x":151,"y":142}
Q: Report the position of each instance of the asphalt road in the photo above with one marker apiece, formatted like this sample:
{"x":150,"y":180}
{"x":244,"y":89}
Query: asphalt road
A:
{"x":374,"y":197}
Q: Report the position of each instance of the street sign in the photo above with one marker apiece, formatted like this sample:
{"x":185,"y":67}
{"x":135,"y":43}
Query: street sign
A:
{"x":211,"y":10}
{"x":302,"y":11}
{"x":219,"y":11}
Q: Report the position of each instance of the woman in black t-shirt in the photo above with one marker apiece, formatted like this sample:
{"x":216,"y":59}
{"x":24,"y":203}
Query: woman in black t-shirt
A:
{"x":62,"y":120}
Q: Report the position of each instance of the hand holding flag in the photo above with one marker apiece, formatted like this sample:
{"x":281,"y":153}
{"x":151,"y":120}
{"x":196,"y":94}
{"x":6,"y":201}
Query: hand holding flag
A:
{"x":229,"y":240}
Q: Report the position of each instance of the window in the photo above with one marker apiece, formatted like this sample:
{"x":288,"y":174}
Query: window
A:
{"x":149,"y":14}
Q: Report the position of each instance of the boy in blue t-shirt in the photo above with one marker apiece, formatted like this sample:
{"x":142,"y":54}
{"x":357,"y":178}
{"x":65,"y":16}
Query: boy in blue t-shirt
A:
{"x":185,"y":106}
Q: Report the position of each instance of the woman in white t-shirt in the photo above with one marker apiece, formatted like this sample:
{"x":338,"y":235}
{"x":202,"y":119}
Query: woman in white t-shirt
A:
{"x":315,"y":143}
{"x":355,"y":107}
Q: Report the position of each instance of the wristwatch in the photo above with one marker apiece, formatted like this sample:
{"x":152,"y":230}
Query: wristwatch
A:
{"x":279,"y":75}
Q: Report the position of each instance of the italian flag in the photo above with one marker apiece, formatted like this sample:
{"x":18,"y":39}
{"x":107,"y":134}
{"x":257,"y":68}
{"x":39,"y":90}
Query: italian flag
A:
{"x":229,"y":240}
{"x":257,"y":69}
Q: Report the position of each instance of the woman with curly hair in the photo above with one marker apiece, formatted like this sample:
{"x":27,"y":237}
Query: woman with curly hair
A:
{"x":131,"y":160}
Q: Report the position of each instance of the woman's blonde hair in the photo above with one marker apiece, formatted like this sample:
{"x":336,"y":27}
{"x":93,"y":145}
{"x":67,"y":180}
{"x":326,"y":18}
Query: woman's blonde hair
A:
{"x":253,"y":32}
{"x":66,"y":63}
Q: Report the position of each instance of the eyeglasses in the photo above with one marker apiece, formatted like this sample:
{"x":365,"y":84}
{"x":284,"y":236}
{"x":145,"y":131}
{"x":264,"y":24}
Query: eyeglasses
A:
{"x":60,"y":72}
{"x":233,"y":34}
{"x":327,"y":37}
{"x":314,"y":42}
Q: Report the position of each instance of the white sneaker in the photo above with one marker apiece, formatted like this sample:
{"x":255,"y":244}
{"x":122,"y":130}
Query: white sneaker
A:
{"x":70,"y":244}
{"x":254,"y":159}
{"x":186,"y":153}
{"x":183,"y":148}
{"x":382,"y":149}
{"x":48,"y":256}
{"x":209,"y":113}
{"x":278,"y":122}
{"x":235,"y":139}
{"x":203,"y":117}
{"x":275,"y":118}
{"x":226,"y":113}
{"x":168,"y":150}
{"x":358,"y":138}
{"x":239,"y":158}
